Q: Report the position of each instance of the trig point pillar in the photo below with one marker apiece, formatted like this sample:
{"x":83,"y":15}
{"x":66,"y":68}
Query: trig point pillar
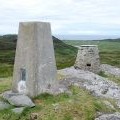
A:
{"x":88,"y":58}
{"x":35,"y":66}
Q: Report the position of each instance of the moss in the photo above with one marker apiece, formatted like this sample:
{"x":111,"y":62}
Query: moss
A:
{"x":102,"y":73}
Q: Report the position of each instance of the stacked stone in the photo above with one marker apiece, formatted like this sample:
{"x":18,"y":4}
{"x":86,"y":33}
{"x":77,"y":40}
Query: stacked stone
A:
{"x":88,"y":58}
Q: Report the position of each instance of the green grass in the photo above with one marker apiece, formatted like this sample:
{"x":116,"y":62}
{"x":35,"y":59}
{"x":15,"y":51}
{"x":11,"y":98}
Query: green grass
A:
{"x":80,"y":106}
{"x":7,"y":56}
{"x":5,"y":70}
{"x":6,"y":62}
{"x":101,"y":73}
{"x":5,"y":84}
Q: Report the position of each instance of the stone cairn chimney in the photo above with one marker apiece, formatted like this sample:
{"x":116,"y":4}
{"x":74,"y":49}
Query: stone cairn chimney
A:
{"x":88,"y":58}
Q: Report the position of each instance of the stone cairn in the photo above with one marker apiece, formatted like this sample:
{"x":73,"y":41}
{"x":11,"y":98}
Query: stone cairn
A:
{"x":88,"y":58}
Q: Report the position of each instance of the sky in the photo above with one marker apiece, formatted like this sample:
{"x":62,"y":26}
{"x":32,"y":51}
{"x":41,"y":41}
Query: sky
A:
{"x":67,"y":17}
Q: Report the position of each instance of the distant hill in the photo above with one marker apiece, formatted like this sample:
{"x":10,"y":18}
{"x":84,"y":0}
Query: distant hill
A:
{"x":8,"y":42}
{"x":112,"y":40}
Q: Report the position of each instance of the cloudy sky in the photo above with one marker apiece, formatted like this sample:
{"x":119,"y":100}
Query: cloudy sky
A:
{"x":75,"y":17}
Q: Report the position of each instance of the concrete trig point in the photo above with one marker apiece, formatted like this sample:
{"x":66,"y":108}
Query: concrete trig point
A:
{"x":88,"y":58}
{"x":35,"y":66}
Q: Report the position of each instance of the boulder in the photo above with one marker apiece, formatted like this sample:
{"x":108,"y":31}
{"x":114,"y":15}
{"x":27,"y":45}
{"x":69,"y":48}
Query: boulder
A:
{"x":18,"y":110}
{"x":4,"y":105}
{"x":17,"y":99}
{"x":110,"y":70}
{"x":8,"y":94}
{"x":21,"y":101}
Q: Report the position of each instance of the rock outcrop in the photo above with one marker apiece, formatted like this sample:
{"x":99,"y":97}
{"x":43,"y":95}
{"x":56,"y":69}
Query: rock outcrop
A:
{"x":97,"y":85}
{"x":115,"y":116}
{"x":110,"y":70}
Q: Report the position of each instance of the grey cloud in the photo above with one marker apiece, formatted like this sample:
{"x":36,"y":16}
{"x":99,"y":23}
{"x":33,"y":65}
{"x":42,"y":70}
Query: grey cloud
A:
{"x":64,"y":15}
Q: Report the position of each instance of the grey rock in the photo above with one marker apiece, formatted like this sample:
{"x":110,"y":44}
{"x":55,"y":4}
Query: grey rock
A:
{"x":110,"y":70}
{"x":18,"y":110}
{"x":18,"y":99}
{"x":97,"y":85}
{"x":118,"y":103}
{"x":7,"y":94}
{"x":57,"y":89}
{"x":4,"y":105}
{"x":104,"y":90}
{"x":115,"y":116}
{"x":21,"y":101}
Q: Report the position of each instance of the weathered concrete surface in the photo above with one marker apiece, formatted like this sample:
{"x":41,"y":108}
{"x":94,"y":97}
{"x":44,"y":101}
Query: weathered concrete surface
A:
{"x":88,"y":58}
{"x":34,"y":56}
{"x":110,"y":70}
